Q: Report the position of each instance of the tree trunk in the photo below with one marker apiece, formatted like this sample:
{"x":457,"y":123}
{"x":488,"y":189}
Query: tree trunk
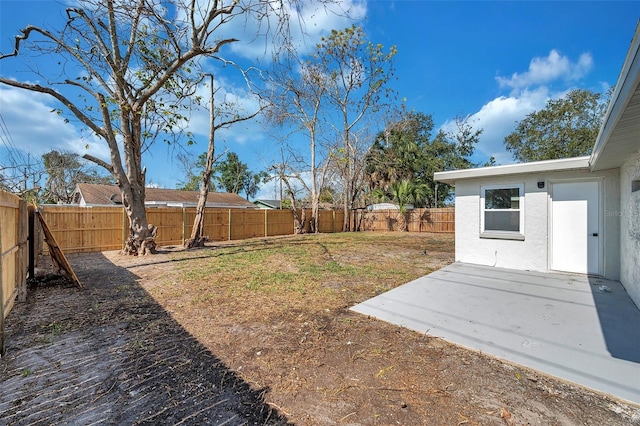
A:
{"x":347,"y":198}
{"x":298,"y":219}
{"x":313,"y":224}
{"x":142,"y":235}
{"x":198,"y":238}
{"x":314,"y":221}
{"x":402,"y":221}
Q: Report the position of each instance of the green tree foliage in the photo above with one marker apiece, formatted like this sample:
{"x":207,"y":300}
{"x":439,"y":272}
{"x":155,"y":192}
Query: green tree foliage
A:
{"x":407,"y":152}
{"x":64,"y":170}
{"x":193,"y":172}
{"x":404,"y":193}
{"x":566,"y":127}
{"x":252,"y":183}
{"x":230,"y":175}
{"x":234,"y":176}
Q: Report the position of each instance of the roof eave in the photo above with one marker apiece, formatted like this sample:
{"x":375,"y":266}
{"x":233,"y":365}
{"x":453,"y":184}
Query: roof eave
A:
{"x":563,"y":164}
{"x":628,"y":81}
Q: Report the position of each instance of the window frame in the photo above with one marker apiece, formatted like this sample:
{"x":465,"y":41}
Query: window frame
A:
{"x":503,"y":235}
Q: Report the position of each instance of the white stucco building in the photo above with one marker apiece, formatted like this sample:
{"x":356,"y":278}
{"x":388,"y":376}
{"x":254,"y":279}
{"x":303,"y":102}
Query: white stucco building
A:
{"x":579,"y":215}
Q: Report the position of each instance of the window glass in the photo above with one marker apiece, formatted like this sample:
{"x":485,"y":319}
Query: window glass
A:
{"x":508,"y":198}
{"x":502,"y":221}
{"x":501,"y":209}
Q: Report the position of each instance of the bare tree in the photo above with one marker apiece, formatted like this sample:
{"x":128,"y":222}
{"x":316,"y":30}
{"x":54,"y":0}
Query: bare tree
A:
{"x":298,"y":97}
{"x":64,"y":171}
{"x":344,"y":81}
{"x":294,"y":184}
{"x":22,"y":176}
{"x":356,"y":74}
{"x":125,"y":71}
{"x":197,"y":238}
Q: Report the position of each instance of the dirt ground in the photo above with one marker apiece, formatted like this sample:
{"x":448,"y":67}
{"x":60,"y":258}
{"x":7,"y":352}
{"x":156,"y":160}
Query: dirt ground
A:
{"x":260,"y":332}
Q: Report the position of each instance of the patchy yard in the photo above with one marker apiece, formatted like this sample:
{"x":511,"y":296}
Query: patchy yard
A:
{"x":259,"y":332}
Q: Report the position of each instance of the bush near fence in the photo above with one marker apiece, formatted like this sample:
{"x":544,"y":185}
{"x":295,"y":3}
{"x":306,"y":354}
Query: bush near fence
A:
{"x":86,"y":229}
{"x":418,"y":220}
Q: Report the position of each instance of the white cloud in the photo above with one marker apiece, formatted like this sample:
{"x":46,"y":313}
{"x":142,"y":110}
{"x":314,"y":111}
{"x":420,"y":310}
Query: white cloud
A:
{"x":35,"y":129}
{"x":238,"y":99}
{"x":547,"y":69}
{"x":309,"y":20}
{"x":499,"y":117}
{"x":529,"y":92}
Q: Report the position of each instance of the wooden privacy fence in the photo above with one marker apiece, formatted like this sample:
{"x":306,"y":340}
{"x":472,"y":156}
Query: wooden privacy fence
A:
{"x":418,"y":220}
{"x":14,"y":255}
{"x":86,"y":229}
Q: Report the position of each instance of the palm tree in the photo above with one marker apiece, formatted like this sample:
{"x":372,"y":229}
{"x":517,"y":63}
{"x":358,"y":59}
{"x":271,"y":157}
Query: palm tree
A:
{"x":403,"y":193}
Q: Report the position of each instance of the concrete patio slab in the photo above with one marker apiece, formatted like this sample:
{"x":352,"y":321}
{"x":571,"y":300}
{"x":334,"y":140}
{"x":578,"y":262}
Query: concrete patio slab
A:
{"x":581,"y":329}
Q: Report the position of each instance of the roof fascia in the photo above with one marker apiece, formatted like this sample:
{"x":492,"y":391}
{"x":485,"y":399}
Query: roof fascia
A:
{"x":628,"y":80}
{"x":575,"y":163}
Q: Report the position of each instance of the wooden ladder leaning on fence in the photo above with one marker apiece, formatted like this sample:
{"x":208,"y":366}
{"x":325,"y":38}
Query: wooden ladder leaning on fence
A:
{"x":57,"y":256}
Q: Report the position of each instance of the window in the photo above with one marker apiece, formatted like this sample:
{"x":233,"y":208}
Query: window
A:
{"x":502,"y":212}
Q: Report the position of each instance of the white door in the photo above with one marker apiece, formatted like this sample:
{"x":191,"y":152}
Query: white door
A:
{"x":575,"y":233}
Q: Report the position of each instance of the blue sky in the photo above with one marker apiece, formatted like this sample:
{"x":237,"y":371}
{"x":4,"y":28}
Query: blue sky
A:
{"x":494,"y":61}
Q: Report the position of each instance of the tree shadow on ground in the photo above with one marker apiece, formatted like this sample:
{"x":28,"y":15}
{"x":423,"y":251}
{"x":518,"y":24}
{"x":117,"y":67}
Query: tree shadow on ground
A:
{"x":109,"y":353}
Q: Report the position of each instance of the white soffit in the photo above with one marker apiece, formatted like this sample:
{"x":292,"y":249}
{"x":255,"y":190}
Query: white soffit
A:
{"x":576,"y":163}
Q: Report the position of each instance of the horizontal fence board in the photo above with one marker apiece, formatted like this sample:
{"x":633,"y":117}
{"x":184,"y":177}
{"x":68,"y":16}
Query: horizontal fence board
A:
{"x":85,"y":229}
{"x":14,"y":251}
{"x":169,"y":222}
{"x":280,"y":222}
{"x":440,"y":220}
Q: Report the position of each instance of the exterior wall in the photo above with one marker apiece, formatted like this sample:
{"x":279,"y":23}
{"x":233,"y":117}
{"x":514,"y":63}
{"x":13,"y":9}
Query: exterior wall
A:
{"x":629,"y":214}
{"x":533,"y":252}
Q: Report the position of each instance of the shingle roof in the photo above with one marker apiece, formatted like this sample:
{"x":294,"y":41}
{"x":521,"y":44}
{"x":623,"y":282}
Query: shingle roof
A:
{"x":94,"y":194}
{"x":274,"y":204}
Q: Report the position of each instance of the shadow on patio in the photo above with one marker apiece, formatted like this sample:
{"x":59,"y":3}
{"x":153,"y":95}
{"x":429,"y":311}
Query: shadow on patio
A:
{"x":619,"y":319}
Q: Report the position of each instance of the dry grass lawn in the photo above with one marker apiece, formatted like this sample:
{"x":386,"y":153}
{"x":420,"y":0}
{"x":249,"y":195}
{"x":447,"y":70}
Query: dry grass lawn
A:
{"x":277,"y":312}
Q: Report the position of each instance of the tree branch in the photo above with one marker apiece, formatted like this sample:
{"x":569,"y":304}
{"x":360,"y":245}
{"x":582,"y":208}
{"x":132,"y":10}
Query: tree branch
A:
{"x":66,"y":102}
{"x":99,"y":162}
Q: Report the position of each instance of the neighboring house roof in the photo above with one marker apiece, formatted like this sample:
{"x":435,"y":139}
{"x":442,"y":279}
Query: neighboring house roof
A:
{"x":387,"y":206}
{"x":619,"y":136}
{"x":109,"y":195}
{"x":270,"y":204}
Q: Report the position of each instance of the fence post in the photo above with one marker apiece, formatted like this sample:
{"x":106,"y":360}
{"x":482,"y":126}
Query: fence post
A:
{"x":184,"y":224}
{"x":23,"y":250}
{"x":31,"y":237}
{"x":229,"y":224}
{"x":124,"y":227}
{"x":1,"y":301}
{"x":266,"y":221}
{"x":333,"y":220}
